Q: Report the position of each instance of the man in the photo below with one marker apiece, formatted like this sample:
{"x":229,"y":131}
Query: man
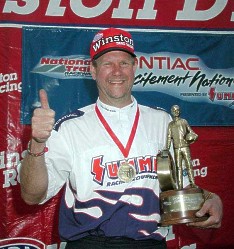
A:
{"x":181,"y":134}
{"x":105,"y":155}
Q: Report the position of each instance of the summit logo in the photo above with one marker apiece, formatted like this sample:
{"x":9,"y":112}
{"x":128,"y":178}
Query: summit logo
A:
{"x":221,"y":96}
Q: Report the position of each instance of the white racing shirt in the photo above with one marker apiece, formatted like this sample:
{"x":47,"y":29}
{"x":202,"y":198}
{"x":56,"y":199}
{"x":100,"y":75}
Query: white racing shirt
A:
{"x":83,"y":156}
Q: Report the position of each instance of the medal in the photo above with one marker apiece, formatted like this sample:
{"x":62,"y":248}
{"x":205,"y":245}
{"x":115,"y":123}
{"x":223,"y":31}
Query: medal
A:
{"x":126,"y":172}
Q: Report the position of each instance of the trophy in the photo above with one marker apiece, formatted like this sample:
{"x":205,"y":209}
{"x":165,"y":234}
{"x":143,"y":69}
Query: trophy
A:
{"x":178,"y":205}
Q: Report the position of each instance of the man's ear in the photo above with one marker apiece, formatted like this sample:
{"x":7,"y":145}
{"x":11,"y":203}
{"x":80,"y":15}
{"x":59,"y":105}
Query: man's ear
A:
{"x":93,"y":71}
{"x":135,"y":64}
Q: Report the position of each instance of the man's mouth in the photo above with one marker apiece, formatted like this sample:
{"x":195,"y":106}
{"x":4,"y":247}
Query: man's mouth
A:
{"x":116,"y":81}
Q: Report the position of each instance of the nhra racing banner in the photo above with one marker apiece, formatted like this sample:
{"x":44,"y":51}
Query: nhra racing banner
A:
{"x":191,"y":69}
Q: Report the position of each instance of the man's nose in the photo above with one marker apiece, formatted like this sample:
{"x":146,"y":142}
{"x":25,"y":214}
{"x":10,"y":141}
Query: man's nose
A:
{"x":116,"y":69}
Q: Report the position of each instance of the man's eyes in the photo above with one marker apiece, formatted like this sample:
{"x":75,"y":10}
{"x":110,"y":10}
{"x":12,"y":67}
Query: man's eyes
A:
{"x":122,"y":63}
{"x":106,"y":63}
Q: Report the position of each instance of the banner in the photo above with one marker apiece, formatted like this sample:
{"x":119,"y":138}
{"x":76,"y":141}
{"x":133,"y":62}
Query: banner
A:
{"x":200,"y":34}
{"x":193,"y":14}
{"x":193,"y":70}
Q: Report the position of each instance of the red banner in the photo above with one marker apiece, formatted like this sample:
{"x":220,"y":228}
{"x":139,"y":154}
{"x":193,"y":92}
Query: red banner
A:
{"x":37,"y":226}
{"x":198,"y":14}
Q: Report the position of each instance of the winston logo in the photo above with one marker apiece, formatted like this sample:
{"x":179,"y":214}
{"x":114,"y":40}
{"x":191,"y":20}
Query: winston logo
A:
{"x":117,"y":38}
{"x":65,"y":67}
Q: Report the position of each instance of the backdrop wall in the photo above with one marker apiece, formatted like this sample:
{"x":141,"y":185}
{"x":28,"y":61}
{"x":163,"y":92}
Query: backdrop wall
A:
{"x":184,"y":37}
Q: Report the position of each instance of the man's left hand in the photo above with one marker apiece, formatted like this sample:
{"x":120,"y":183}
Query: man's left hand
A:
{"x":214,"y":208}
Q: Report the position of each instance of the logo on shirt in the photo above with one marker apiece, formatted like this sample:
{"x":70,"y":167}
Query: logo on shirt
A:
{"x":142,"y":164}
{"x":21,"y":243}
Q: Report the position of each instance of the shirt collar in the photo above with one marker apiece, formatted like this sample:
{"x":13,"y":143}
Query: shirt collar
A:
{"x":111,"y":110}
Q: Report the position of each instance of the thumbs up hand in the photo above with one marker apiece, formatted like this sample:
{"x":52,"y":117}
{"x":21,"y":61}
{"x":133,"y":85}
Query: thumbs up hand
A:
{"x":43,"y":119}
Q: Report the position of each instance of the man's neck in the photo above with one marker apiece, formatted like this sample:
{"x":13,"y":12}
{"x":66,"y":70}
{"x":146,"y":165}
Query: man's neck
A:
{"x":118,"y":103}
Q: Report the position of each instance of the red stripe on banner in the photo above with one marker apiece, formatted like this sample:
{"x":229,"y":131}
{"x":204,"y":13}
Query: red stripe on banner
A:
{"x":17,"y":218}
{"x":212,"y":157}
{"x":27,"y":226}
{"x":209,"y":14}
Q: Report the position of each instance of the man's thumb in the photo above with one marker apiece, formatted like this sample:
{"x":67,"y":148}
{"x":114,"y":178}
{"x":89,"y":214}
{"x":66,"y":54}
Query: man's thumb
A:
{"x":44,"y":99}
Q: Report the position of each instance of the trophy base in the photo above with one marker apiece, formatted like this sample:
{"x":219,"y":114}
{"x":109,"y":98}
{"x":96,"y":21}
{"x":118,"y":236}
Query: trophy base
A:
{"x":180,"y":206}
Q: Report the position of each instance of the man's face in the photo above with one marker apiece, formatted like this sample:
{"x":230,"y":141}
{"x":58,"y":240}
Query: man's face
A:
{"x":114,"y":74}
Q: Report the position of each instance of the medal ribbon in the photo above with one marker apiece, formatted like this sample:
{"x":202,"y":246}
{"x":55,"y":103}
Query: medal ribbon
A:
{"x":124,"y":150}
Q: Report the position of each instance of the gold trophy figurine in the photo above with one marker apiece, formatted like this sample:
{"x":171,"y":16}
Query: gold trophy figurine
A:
{"x":181,"y":135}
{"x":178,"y":204}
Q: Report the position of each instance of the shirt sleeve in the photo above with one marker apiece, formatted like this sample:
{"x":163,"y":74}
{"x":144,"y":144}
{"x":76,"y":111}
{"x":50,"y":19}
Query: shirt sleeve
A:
{"x":58,"y":161}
